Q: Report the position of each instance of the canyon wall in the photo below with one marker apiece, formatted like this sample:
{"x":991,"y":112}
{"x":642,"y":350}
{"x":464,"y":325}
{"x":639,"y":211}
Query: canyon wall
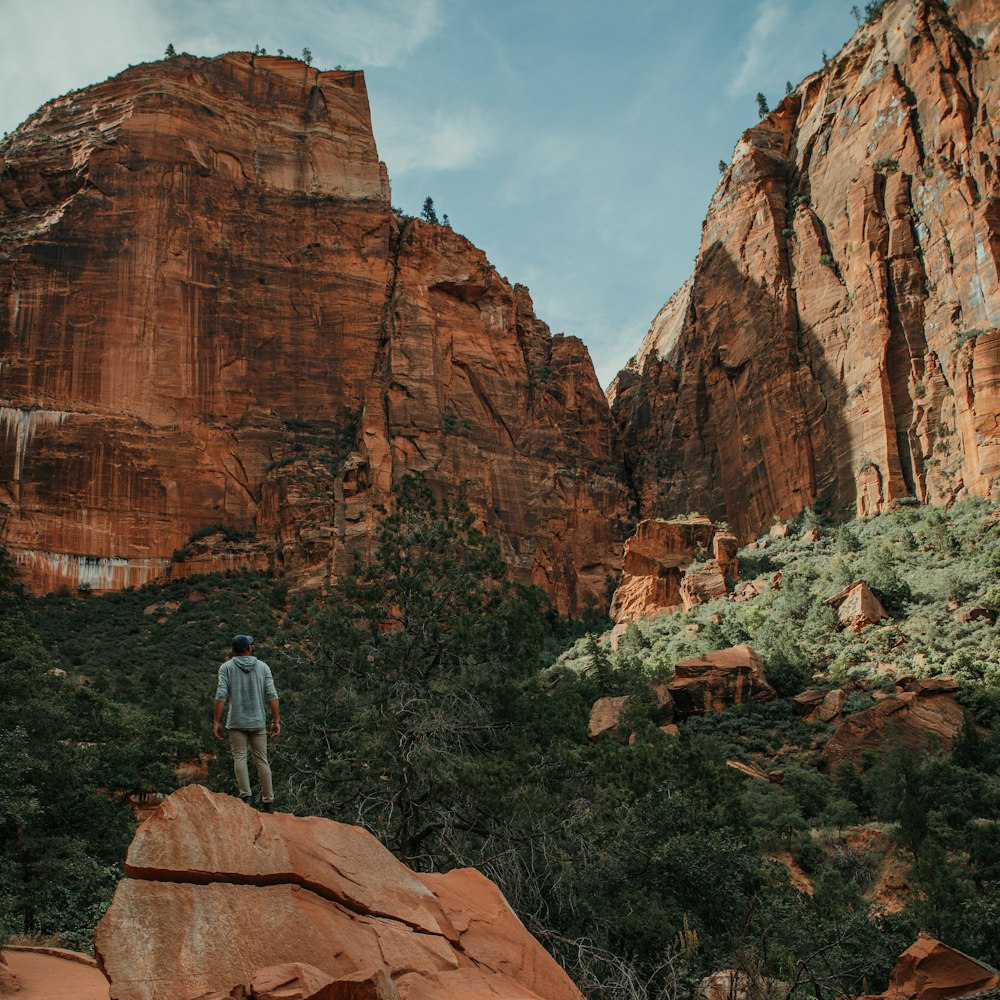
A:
{"x":220,"y":347}
{"x":838,"y":344}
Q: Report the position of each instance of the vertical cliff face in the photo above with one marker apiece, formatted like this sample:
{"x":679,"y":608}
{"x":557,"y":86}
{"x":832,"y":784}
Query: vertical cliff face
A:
{"x":839,"y":342}
{"x":220,"y":347}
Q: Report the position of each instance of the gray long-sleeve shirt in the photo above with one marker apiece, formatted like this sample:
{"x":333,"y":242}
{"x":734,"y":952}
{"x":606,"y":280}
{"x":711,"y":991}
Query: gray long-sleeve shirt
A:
{"x":246,"y":683}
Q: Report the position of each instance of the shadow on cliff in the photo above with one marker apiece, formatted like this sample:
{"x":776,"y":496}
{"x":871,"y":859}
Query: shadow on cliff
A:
{"x":743,"y":418}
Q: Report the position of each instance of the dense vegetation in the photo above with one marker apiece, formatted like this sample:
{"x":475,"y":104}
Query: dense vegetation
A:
{"x":429,"y":698}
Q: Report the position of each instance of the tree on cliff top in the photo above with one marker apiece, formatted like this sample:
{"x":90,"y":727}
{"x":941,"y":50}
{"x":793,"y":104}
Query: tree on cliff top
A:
{"x":427,"y":212}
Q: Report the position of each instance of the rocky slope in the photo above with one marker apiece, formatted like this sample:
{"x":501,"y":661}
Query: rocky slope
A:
{"x":838,"y":342}
{"x":220,"y":347}
{"x":221,"y":897}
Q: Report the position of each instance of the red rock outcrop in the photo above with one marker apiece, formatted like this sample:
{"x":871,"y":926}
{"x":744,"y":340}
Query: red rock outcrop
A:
{"x":218,"y":894}
{"x":657,"y":557}
{"x":718,"y":680}
{"x":220,"y":347}
{"x":923,"y":717}
{"x":709,"y":683}
{"x":838,"y":345}
{"x":819,"y":705}
{"x":930,"y":970}
{"x":857,"y":607}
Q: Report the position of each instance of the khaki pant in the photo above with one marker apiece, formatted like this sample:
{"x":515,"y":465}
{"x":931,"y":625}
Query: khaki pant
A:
{"x":256,"y":740}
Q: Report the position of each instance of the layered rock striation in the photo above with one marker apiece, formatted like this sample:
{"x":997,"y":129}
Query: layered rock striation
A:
{"x":220,"y":898}
{"x":838,"y":344}
{"x":221,"y":347}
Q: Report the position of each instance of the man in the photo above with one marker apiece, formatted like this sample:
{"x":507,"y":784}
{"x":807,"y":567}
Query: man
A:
{"x":247,"y":684}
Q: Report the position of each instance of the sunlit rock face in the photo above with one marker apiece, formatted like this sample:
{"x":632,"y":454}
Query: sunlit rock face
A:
{"x":839,"y":342}
{"x":219,"y":897}
{"x":211,"y":316}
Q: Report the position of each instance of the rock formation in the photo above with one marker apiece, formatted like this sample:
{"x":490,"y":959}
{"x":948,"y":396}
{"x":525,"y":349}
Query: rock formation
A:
{"x":718,"y":680}
{"x":709,"y":683}
{"x":839,"y":342}
{"x":219,"y":896}
{"x":221,"y":347}
{"x":655,"y":575}
{"x":930,"y":970}
{"x":924,"y":716}
{"x":857,"y":607}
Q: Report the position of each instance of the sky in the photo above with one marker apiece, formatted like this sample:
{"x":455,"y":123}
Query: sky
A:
{"x":576,"y":142}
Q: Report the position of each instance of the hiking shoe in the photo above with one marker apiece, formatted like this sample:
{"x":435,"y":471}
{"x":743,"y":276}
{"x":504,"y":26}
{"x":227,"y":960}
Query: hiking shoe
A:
{"x":248,"y":799}
{"x":267,"y":807}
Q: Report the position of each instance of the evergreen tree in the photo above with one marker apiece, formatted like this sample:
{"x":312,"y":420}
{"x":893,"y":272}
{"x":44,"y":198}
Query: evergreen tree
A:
{"x":427,"y":212}
{"x":762,"y":109}
{"x":170,"y":51}
{"x":307,"y":56}
{"x":397,"y":699}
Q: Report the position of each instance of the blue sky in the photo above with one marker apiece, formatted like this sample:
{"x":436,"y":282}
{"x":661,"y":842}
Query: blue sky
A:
{"x":576,"y":142}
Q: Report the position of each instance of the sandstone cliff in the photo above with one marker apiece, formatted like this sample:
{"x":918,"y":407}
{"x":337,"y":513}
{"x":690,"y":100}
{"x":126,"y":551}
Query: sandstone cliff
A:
{"x":218,"y":341}
{"x":838,"y":344}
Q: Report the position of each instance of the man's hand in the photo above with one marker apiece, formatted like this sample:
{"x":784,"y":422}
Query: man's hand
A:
{"x":275,"y":729}
{"x":217,"y":729}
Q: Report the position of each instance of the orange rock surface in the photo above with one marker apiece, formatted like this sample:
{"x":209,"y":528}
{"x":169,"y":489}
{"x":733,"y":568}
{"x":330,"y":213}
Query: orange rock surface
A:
{"x":220,"y":896}
{"x":219,"y":342}
{"x":654,"y":569}
{"x":930,"y":970}
{"x":719,"y":680}
{"x":838,"y":345}
{"x":923,"y":717}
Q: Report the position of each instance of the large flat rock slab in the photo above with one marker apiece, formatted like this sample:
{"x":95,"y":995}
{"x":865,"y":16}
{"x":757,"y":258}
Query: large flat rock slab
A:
{"x":218,"y":894}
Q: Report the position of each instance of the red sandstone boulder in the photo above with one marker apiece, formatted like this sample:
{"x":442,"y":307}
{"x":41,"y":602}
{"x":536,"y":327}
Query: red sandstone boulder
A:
{"x":818,"y":705}
{"x":924,"y":717}
{"x":702,"y":585}
{"x":725,"y":547}
{"x":655,"y":574}
{"x":297,"y":981}
{"x":653,"y":565}
{"x":607,"y":712}
{"x":857,"y":606}
{"x":930,"y":970}
{"x":719,"y":680}
{"x":218,"y":894}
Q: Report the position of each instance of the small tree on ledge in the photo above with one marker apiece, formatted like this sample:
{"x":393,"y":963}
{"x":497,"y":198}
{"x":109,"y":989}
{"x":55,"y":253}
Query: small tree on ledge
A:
{"x":427,"y":212}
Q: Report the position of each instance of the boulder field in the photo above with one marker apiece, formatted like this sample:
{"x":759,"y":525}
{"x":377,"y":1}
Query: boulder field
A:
{"x":219,"y":898}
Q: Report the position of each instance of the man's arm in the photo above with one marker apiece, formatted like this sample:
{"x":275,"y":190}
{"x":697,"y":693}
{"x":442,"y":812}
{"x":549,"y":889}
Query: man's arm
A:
{"x":275,"y":717}
{"x":217,"y":720}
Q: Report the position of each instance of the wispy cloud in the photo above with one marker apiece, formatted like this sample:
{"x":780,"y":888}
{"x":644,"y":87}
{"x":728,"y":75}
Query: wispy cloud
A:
{"x":352,"y":32}
{"x":438,"y":140}
{"x":759,"y":47}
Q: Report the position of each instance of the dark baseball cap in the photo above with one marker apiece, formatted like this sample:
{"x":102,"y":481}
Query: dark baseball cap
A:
{"x":242,"y":643}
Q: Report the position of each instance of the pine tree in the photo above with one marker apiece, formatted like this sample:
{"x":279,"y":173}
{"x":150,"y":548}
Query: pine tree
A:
{"x":762,"y":109}
{"x":307,"y":56}
{"x":170,"y":51}
{"x":427,"y":212}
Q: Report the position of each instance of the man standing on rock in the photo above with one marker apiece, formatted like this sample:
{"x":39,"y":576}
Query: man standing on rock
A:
{"x":247,"y":684}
